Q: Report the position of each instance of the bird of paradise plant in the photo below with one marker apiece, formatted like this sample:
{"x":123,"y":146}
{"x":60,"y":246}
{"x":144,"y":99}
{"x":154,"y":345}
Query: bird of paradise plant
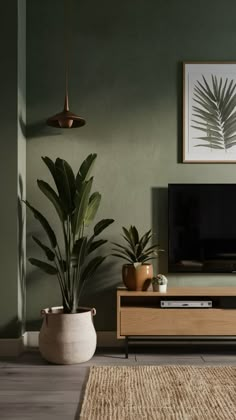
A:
{"x":76,"y":208}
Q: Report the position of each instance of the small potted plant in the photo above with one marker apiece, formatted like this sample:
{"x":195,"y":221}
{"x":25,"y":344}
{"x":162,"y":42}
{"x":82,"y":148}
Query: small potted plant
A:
{"x":155,"y":284}
{"x":159,"y":283}
{"x":138,"y":271}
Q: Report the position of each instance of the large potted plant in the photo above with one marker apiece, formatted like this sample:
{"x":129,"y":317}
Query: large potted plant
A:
{"x":67,"y":334}
{"x":137,"y":251}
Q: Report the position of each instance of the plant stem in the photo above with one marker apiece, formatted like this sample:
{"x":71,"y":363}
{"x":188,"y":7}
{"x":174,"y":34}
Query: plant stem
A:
{"x":67,"y":257}
{"x":62,"y":287}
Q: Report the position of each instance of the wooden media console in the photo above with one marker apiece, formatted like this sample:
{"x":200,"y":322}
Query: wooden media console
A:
{"x":139,"y":314}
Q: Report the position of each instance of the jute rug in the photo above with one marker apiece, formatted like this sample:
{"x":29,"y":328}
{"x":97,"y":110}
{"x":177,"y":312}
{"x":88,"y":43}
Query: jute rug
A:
{"x":160,"y":392}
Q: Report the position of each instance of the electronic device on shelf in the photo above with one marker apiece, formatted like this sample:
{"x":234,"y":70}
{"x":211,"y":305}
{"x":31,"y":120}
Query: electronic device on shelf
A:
{"x":186,"y":304}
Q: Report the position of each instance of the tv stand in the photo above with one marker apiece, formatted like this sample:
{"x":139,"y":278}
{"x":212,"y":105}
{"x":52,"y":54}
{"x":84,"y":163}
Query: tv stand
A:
{"x":139,"y":315}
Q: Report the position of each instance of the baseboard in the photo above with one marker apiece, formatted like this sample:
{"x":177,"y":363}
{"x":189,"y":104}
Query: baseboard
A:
{"x":30,"y":340}
{"x":104,"y":339}
{"x":12,"y":347}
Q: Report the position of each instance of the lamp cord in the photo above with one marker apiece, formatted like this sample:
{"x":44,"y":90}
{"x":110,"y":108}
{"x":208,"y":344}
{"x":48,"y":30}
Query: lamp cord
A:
{"x":66,"y":46}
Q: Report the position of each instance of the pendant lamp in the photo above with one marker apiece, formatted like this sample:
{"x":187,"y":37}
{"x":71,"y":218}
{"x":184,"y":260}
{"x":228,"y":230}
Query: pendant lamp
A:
{"x":65,"y":118}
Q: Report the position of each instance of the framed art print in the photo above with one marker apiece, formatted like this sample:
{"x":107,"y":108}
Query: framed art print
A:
{"x":209,"y":112}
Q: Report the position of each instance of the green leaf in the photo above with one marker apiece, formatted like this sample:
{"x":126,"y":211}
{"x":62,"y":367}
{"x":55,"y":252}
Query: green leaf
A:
{"x":208,"y":116}
{"x":63,"y":265}
{"x":214,"y":84}
{"x":145,"y":238}
{"x":92,"y":208}
{"x":127,"y":233}
{"x":123,"y":257}
{"x":92,"y":266}
{"x":47,"y":268}
{"x":209,"y":131}
{"x":51,"y":166}
{"x":81,"y":203}
{"x":82,"y":252}
{"x":50,"y":233}
{"x":79,"y":250}
{"x":85,"y":169}
{"x":228,"y":93}
{"x":124,"y":250}
{"x":66,"y":184}
{"x":227,"y":111}
{"x":145,"y":259}
{"x":154,"y":247}
{"x":206,"y":89}
{"x":49,"y":253}
{"x":128,"y":237}
{"x":208,"y":106}
{"x":71,"y":177}
{"x":231,"y":145}
{"x":126,"y":253}
{"x":96,"y":244}
{"x":138,"y":250}
{"x":230,"y":139}
{"x":210,"y":146}
{"x":53,"y":197}
{"x":214,"y":140}
{"x":223,"y":92}
{"x":134,"y":234}
{"x":199,"y":93}
{"x":103,"y":224}
{"x":132,"y":246}
{"x":85,"y":191}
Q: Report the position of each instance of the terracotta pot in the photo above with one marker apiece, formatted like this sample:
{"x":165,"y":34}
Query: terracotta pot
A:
{"x":67,"y":338}
{"x":138,"y":278}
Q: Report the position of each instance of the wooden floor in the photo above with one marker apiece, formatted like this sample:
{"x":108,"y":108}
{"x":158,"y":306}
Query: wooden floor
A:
{"x":32,"y":389}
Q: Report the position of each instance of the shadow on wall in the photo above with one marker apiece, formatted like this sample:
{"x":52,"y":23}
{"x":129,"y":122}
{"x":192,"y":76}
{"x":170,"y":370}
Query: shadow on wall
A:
{"x":179,"y":86}
{"x":12,"y":329}
{"x":38,"y":129}
{"x":21,"y":253}
{"x":160,"y":224}
{"x":99,"y":293}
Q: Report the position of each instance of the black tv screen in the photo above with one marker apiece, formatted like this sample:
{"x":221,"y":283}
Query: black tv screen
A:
{"x":202,"y":228}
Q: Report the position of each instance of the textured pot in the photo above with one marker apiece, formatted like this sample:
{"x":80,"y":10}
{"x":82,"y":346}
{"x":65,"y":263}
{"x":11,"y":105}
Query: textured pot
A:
{"x":138,"y":278}
{"x":67,"y":338}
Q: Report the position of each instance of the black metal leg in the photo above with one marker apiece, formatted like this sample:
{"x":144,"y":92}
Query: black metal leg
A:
{"x":126,"y":347}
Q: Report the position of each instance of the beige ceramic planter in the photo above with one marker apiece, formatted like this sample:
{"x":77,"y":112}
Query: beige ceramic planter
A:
{"x":138,"y":278}
{"x":67,"y":338}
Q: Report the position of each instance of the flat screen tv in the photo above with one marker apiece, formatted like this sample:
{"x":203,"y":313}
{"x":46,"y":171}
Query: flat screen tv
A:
{"x":202,"y":228}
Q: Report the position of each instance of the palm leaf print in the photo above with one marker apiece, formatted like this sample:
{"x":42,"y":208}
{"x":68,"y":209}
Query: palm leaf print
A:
{"x":214,"y":112}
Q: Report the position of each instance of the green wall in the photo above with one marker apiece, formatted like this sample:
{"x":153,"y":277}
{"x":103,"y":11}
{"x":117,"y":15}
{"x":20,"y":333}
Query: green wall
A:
{"x":126,"y":80}
{"x":12,"y":105}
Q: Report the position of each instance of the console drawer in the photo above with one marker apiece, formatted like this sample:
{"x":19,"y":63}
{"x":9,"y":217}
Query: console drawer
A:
{"x":189,"y":322}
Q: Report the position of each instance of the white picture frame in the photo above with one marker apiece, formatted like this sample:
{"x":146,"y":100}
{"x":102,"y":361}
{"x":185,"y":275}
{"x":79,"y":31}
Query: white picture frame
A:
{"x":209,"y":112}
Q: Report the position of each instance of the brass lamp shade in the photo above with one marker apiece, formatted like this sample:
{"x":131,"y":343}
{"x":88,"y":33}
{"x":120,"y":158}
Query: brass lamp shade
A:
{"x":66,"y":119}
